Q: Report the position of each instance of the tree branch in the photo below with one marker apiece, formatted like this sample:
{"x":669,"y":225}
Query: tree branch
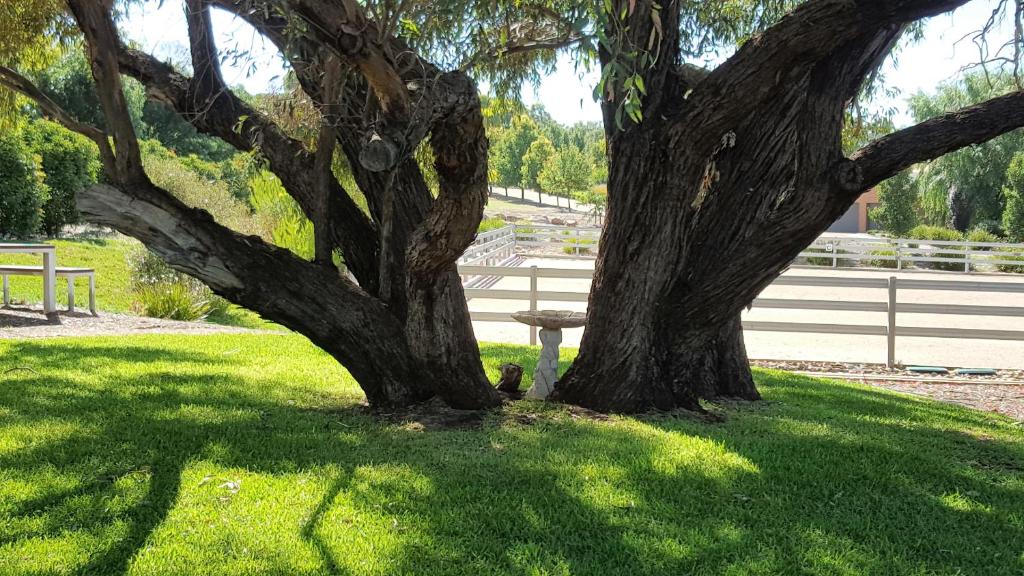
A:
{"x":932,"y":138}
{"x":512,"y":48}
{"x":97,"y":26}
{"x":790,"y":48}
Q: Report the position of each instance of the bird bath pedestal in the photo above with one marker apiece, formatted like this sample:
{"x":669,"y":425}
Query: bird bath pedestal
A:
{"x":550,"y":323}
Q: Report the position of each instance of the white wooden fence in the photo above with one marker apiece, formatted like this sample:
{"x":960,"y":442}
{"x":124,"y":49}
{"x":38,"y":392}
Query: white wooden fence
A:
{"x":901,"y":253}
{"x":497,"y":246}
{"x":887,"y":302}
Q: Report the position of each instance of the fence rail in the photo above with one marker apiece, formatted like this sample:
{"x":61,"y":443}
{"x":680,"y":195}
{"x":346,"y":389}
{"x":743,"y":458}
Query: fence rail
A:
{"x":890,"y":305}
{"x":496,"y":246}
{"x":898,"y":253}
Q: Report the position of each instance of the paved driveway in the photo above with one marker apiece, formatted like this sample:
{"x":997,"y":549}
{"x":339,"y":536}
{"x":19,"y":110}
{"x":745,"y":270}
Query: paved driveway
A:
{"x":802,"y":346}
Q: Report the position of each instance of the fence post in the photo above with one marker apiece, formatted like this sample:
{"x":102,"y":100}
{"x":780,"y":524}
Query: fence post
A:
{"x":891,"y":332}
{"x":577,"y":231}
{"x":899,"y":254}
{"x":835,"y":252}
{"x":967,"y":258}
{"x":533,"y":303}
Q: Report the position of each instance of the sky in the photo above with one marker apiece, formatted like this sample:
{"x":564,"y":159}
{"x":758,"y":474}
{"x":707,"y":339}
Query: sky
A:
{"x":567,"y":94}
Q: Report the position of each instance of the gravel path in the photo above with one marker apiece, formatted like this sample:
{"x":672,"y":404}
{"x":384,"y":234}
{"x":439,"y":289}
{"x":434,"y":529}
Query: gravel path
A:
{"x":1002,"y":392}
{"x":1007,"y":400}
{"x":24,"y":322}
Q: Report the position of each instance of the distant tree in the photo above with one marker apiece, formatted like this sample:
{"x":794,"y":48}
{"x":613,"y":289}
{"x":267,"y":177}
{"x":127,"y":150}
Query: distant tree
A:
{"x":507,"y":151}
{"x":537,"y":154}
{"x":1013,"y":214}
{"x":976,"y":173}
{"x":22,"y":190}
{"x":598,"y":155}
{"x":566,"y":174}
{"x":68,"y":82}
{"x":70,"y":163}
{"x":895,"y":212}
{"x":163,"y":124}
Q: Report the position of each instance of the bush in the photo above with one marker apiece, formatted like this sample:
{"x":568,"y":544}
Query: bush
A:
{"x":22,"y":189}
{"x":172,"y":301}
{"x":1007,"y":254}
{"x":980,"y":235}
{"x":889,"y":262}
{"x":1013,"y":213}
{"x":70,"y":162}
{"x":583,"y":245}
{"x":488,"y":224}
{"x":280,"y":216}
{"x":939,"y":233}
{"x":993,"y":227}
{"x":161,"y":292}
{"x":826,"y":259}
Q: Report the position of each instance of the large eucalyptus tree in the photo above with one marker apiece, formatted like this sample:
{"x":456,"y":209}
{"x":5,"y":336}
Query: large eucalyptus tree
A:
{"x":717,"y":177}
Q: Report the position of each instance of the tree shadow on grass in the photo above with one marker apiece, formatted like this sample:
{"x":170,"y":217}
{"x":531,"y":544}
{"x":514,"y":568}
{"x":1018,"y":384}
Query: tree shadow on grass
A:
{"x":820,"y":477}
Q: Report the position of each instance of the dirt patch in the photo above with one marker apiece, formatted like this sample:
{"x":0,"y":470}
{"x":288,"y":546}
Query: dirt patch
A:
{"x":30,"y":322}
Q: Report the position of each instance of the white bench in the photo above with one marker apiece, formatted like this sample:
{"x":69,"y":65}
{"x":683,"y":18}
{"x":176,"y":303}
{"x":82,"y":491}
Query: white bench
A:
{"x":70,"y":273}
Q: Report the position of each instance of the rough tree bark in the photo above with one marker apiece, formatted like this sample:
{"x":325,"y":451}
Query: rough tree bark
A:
{"x":728,"y":177}
{"x":403,"y":344}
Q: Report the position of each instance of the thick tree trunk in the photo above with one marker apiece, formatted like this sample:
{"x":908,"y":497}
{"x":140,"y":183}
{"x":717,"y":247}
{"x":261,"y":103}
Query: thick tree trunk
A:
{"x":712,"y":362}
{"x":674,"y":367}
{"x":440,"y":334}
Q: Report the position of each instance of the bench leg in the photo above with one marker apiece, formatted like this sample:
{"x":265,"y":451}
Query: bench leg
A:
{"x":92,"y":294}
{"x":71,"y":293}
{"x":7,"y":292}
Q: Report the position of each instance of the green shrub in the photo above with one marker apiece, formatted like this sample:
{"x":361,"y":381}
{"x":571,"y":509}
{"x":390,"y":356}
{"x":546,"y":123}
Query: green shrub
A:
{"x":172,"y":301}
{"x":826,"y":259}
{"x":488,"y":224}
{"x":579,"y":246}
{"x":939,"y":233}
{"x":162,"y":292}
{"x":994,"y":227}
{"x":22,"y":188}
{"x":980,"y":235}
{"x":1007,"y":254}
{"x":1013,"y":213}
{"x":883,"y":262}
{"x":70,"y":162}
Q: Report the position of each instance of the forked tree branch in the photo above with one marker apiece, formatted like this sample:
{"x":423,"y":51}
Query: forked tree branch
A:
{"x":231,"y":119}
{"x":932,"y":138}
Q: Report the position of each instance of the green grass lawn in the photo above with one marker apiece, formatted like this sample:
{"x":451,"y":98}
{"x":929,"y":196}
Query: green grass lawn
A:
{"x":109,"y":257}
{"x":247,"y":454}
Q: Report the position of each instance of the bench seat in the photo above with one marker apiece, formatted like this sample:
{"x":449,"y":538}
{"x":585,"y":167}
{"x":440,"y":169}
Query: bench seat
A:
{"x":71,"y":273}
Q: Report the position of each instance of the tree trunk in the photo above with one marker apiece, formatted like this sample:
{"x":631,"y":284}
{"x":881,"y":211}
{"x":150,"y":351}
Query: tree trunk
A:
{"x":440,"y":334}
{"x":712,"y":362}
